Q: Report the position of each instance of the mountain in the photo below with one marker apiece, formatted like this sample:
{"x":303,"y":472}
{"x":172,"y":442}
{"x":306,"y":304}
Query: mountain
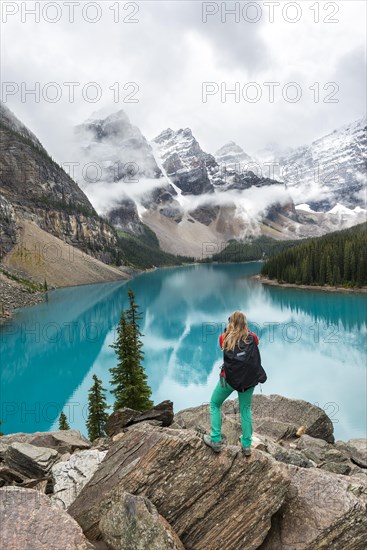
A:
{"x":233,"y":156}
{"x":185,"y":162}
{"x":122,"y":151}
{"x":177,"y":189}
{"x":43,"y":209}
{"x":129,"y":174}
{"x":329,"y":171}
{"x":186,"y":195}
{"x":190,"y":197}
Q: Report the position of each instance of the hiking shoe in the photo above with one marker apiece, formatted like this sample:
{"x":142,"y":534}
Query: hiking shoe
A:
{"x":245,"y":450}
{"x":216,"y":446}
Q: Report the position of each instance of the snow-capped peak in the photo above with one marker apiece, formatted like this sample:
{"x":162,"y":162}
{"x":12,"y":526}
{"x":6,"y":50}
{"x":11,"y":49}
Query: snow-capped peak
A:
{"x":233,"y":156}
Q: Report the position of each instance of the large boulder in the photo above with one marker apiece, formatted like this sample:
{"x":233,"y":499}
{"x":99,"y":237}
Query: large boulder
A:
{"x":271,"y":412}
{"x":322,"y":511}
{"x":210,"y":500}
{"x":30,"y":461}
{"x":29,"y":521}
{"x":357,"y":449}
{"x":71,"y":475}
{"x":272,"y":415}
{"x":134,"y":522}
{"x":161,"y":414}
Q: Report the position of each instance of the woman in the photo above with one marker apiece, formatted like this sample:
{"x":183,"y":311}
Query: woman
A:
{"x":242,"y":365}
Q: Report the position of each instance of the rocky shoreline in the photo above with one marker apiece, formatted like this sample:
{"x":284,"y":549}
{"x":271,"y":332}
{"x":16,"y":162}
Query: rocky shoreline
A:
{"x":325,"y":288}
{"x":15,"y":295}
{"x":153,"y":484}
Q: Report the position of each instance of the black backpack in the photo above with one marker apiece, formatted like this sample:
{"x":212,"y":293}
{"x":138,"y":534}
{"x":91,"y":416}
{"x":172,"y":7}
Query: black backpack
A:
{"x":242,"y":366}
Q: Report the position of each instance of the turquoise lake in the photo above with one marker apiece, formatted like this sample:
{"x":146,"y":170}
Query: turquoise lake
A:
{"x":313,"y":345}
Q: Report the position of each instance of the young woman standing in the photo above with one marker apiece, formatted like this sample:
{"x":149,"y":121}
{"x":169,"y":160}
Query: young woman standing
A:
{"x":241,"y":367}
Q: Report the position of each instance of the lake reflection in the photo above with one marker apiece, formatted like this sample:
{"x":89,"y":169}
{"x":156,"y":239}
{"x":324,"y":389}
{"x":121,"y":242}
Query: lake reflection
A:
{"x":312,"y":344}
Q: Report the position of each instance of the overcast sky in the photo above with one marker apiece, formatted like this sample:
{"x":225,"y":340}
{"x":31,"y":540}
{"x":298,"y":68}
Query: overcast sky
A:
{"x":169,"y":52}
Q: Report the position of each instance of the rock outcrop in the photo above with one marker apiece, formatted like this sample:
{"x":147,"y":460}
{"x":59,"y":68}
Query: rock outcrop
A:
{"x":33,"y":185}
{"x":125,"y":216}
{"x":29,"y":521}
{"x":357,"y":450}
{"x":210,"y":501}
{"x":8,"y":233}
{"x":154,"y":485}
{"x":205,"y":214}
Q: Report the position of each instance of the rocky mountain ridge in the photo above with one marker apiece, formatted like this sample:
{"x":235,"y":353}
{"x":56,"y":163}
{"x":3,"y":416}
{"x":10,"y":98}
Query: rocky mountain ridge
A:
{"x":330,"y":170}
{"x":36,"y":192}
{"x":32,"y":183}
{"x":50,"y":234}
{"x":224,"y":196}
{"x":189,"y":192}
{"x":233,"y":156}
{"x":154,"y":483}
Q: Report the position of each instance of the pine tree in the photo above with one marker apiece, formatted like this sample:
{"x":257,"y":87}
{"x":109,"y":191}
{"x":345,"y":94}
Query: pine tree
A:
{"x":63,"y":422}
{"x":97,"y":406}
{"x":128,"y":377}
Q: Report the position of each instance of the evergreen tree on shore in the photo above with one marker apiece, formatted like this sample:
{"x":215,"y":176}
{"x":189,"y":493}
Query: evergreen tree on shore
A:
{"x":129,"y":380}
{"x":339,"y":258}
{"x":97,"y":406}
{"x":63,"y":422}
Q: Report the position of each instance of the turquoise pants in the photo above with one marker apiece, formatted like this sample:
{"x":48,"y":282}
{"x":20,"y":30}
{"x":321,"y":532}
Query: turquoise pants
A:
{"x":221,"y":393}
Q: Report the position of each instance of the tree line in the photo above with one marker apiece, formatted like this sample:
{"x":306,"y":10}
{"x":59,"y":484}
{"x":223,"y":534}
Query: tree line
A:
{"x":336,"y":259}
{"x":128,"y":377}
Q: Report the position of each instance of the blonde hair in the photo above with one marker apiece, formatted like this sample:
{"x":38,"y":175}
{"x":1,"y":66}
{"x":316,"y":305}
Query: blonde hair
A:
{"x":237,"y":331}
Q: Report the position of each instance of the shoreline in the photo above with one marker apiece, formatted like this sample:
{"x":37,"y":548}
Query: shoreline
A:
{"x":274,"y":282}
{"x":15,"y":295}
{"x":19,"y":297}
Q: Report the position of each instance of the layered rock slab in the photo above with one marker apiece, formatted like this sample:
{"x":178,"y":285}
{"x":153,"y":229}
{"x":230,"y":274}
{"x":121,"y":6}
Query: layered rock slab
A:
{"x":162,"y":414}
{"x":214,"y":501}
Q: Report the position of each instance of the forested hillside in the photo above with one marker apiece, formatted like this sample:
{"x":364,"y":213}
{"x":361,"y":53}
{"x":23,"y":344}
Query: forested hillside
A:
{"x":249,"y":250}
{"x":339,"y":258}
{"x":144,"y":252}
